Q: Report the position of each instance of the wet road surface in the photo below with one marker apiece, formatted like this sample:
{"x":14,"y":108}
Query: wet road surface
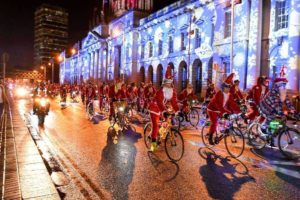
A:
{"x":100,"y":167}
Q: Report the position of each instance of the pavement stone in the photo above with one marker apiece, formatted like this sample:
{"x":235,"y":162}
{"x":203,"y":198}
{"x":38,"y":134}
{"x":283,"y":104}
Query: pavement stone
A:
{"x":26,"y":176}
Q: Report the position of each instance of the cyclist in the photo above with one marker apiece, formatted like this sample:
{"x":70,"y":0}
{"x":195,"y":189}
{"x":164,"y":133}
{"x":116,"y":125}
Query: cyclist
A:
{"x":83,"y":91}
{"x":221,"y":104}
{"x":90,"y":93}
{"x":210,"y":91}
{"x":256,"y":94}
{"x":150,"y":92}
{"x":141,"y":96}
{"x":272,"y":105}
{"x":185,"y":96}
{"x":113,"y":91}
{"x":164,"y":100}
{"x":236,"y":92}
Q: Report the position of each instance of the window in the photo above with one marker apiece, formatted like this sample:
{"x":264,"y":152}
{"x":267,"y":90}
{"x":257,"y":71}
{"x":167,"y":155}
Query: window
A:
{"x":171,"y":44}
{"x":160,"y":47}
{"x":282,"y":14}
{"x":197,"y":39}
{"x":227,"y":30}
{"x":142,"y":52}
{"x":150,"y":49}
{"x":183,"y":45}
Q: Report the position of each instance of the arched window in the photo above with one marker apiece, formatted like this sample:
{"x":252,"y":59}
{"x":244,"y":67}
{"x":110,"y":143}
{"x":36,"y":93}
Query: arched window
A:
{"x":150,"y":49}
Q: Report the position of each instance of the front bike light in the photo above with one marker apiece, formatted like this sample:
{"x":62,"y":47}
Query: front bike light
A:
{"x":43,"y":102}
{"x":121,"y":109}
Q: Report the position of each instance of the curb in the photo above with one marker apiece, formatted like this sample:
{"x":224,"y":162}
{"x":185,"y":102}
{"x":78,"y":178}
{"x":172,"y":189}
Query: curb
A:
{"x":31,"y":174}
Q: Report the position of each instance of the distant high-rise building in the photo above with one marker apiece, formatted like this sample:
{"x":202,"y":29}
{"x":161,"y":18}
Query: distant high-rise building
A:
{"x":50,"y":32}
{"x":106,"y":10}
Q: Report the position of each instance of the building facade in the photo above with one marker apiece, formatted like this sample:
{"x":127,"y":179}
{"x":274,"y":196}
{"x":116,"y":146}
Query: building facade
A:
{"x":50,"y":33}
{"x":194,"y":37}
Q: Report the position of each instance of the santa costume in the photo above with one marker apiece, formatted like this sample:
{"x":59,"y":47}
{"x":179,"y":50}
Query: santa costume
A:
{"x":164,"y":100}
{"x":256,"y":94}
{"x":185,"y":96}
{"x":222,"y":103}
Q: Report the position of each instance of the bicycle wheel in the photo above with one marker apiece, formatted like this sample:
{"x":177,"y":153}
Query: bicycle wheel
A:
{"x":235,"y":143}
{"x":194,"y":117}
{"x":204,"y":134}
{"x":174,"y":145}
{"x":289,"y":143}
{"x":147,"y":135}
{"x":254,"y":136}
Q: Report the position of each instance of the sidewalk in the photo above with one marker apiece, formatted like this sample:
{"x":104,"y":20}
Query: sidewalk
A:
{"x":24,"y":172}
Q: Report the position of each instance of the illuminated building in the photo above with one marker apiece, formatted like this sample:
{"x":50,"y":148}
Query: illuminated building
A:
{"x":193,"y":36}
{"x":50,"y":32}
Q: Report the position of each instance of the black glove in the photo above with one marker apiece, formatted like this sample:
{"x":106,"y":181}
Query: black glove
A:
{"x":165,"y":114}
{"x":226,"y":115}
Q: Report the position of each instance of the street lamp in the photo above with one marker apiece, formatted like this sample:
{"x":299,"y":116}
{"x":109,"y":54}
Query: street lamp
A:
{"x":73,"y":51}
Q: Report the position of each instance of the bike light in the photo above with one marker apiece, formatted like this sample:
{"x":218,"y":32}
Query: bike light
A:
{"x":43,"y":102}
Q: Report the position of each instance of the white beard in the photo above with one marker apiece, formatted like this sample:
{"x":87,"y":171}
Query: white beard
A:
{"x":168,"y":93}
{"x":282,"y":94}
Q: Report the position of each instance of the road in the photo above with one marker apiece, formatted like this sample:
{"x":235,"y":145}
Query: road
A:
{"x":99,"y":167}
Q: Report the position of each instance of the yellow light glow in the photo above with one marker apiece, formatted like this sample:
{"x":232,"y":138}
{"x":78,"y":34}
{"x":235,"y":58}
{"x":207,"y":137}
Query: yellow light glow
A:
{"x":73,"y":51}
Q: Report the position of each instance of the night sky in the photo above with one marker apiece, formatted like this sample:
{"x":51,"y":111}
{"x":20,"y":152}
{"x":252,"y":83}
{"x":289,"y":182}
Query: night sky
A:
{"x":17,"y":20}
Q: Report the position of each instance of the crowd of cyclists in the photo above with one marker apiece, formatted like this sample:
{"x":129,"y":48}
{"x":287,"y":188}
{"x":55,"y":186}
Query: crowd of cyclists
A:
{"x":261,"y":101}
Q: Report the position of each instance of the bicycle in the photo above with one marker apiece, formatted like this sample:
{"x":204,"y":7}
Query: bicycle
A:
{"x":192,"y":116}
{"x":169,"y":136}
{"x":90,"y":109}
{"x":287,"y":136}
{"x":105,"y":104}
{"x":120,"y":116}
{"x":233,"y":138}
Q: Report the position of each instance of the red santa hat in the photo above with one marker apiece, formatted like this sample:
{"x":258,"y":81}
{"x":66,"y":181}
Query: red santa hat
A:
{"x":228,"y":81}
{"x":168,"y":77}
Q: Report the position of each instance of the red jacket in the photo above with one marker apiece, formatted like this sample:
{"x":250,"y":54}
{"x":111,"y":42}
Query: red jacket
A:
{"x":141,"y":93}
{"x":237,"y":95}
{"x":160,"y":100}
{"x":149,"y":94}
{"x":184,"y":96}
{"x":122,"y":95}
{"x":210,"y":92}
{"x":217,"y":102}
{"x":90,"y":92}
{"x":256,"y":93}
{"x":111,"y":92}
